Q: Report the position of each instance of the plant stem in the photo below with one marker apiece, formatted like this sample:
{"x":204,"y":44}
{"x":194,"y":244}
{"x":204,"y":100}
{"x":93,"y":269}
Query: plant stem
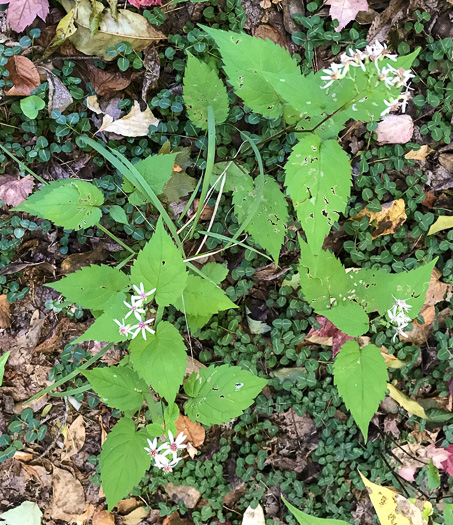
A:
{"x":115,"y":238}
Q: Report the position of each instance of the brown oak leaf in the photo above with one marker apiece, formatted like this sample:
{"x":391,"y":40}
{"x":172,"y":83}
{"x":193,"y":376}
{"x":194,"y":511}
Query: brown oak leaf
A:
{"x":23,"y":74}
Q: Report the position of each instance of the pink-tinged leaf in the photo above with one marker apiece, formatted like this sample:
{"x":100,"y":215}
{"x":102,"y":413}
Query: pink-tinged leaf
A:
{"x":395,"y":129}
{"x":22,"y":13}
{"x":407,"y":473}
{"x":144,"y":3}
{"x":328,"y":335}
{"x":437,"y":454}
{"x":345,"y":10}
{"x":14,"y":191}
{"x":447,"y":465}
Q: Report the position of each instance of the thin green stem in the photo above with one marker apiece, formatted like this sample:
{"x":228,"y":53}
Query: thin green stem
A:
{"x":209,"y":167}
{"x":125,"y":261}
{"x":115,"y":238}
{"x":24,"y":166}
{"x":159,"y":315}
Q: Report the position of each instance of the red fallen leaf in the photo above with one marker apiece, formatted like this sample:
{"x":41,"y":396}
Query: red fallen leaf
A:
{"x":23,"y":74}
{"x":329,"y":330}
{"x":144,"y":3}
{"x":22,"y":13}
{"x":447,"y":465}
{"x":14,"y":191}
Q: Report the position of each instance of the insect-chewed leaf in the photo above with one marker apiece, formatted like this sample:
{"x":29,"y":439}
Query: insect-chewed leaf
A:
{"x":306,"y":519}
{"x":161,"y":360}
{"x":118,"y":386}
{"x":246,"y":59}
{"x":203,"y":88}
{"x":160,"y":265}
{"x":123,"y":460}
{"x":70,"y":203}
{"x":268,"y":226}
{"x":220,"y":393}
{"x":361,"y":378}
{"x":93,"y":286}
{"x":318,"y":176}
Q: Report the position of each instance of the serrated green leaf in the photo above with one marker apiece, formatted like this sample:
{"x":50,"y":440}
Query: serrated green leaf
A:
{"x":349,"y":317}
{"x":92,"y":287}
{"x":246,"y":59}
{"x":318,"y":177}
{"x":161,"y":360}
{"x":361,"y":378}
{"x":234,"y":175}
{"x":214,"y":271}
{"x":70,"y":203}
{"x":306,"y":519}
{"x":202,"y":298}
{"x":123,"y":460}
{"x":220,"y":393}
{"x":433,"y":476}
{"x":160,"y":265}
{"x":268,"y":226}
{"x":3,"y":360}
{"x":203,"y":88}
{"x":118,"y":387}
{"x":118,"y":214}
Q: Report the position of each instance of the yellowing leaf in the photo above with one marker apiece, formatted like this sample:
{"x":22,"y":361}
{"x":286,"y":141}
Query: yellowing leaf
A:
{"x":406,"y":402}
{"x":391,"y":508}
{"x":134,"y":124}
{"x":419,"y":154}
{"x":388,"y":220}
{"x":443,"y":223}
{"x":65,"y":29}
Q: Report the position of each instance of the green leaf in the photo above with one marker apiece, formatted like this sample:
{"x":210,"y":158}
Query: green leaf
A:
{"x":215,"y":272}
{"x":202,"y":298}
{"x":3,"y":360}
{"x":157,"y":171}
{"x":118,"y":214}
{"x":31,"y":106}
{"x":70,"y":203}
{"x":246,"y":60}
{"x":318,"y":177}
{"x":234,"y":175}
{"x":220,"y":393}
{"x":123,"y":460}
{"x":349,"y":317}
{"x":268,"y":226}
{"x":306,"y":519}
{"x":92,"y":287}
{"x":161,"y":360}
{"x":203,"y":88}
{"x":160,"y":265}
{"x":27,"y":513}
{"x":433,"y":476}
{"x":361,"y":378}
{"x":118,"y":387}
{"x":179,"y":185}
{"x":448,"y":514}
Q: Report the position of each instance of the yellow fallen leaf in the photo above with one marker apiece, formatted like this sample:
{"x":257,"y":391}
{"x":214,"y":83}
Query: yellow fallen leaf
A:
{"x":443,"y":223}
{"x":420,"y":154}
{"x":392,"y":508}
{"x":65,"y":29}
{"x":388,"y":220}
{"x":134,"y":124}
{"x":406,"y":402}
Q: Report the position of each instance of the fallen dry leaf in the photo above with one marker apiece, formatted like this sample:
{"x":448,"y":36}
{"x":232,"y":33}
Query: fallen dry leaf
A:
{"x":265,"y":31}
{"x":5,"y":312}
{"x":59,"y":96}
{"x":128,"y":505}
{"x":395,"y":129}
{"x":328,"y":335}
{"x":135,"y":124}
{"x":345,"y":10}
{"x":136,"y":516}
{"x":21,"y":13}
{"x":254,"y":516}
{"x":388,"y":220}
{"x":23,"y":74}
{"x":68,"y":496}
{"x":194,"y":431}
{"x":108,"y":83}
{"x":14,"y":191}
{"x":442,"y":223}
{"x":103,"y":517}
{"x":176,"y":519}
{"x":437,"y":290}
{"x":75,"y":439}
{"x":446,"y":160}
{"x":406,"y":402}
{"x":419,"y":154}
{"x":188,"y":495}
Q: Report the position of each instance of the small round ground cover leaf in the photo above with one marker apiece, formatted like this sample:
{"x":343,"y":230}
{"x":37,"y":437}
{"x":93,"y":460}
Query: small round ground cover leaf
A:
{"x":123,"y":460}
{"x":361,"y":378}
{"x":203,"y":88}
{"x":31,"y":106}
{"x":220,"y":393}
{"x":70,"y":203}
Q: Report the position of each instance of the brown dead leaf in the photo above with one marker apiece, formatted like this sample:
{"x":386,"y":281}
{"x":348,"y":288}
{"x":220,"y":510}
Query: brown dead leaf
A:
{"x":193,"y":365}
{"x":206,"y":213}
{"x":59,"y":96}
{"x":328,"y":334}
{"x":108,"y":83}
{"x":102,"y":517}
{"x":23,"y":74}
{"x":14,"y":191}
{"x":420,"y":154}
{"x":446,"y":160}
{"x":176,"y":519}
{"x":135,"y":124}
{"x":23,"y":456}
{"x":265,"y":31}
{"x":385,"y":20}
{"x":189,"y":495}
{"x":68,"y":496}
{"x":5,"y":312}
{"x":75,"y":439}
{"x":388,"y":220}
{"x":127,"y":505}
{"x":194,"y":431}
{"x":437,"y":290}
{"x":136,"y":516}
{"x":76,"y":261}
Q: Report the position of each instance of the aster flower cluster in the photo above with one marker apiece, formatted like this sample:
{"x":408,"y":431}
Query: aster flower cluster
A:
{"x":398,"y":317}
{"x":392,"y":78}
{"x":138,"y":312}
{"x":161,"y":453}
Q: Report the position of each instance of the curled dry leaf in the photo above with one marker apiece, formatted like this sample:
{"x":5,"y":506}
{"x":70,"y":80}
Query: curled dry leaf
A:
{"x":388,"y":220}
{"x":108,"y":83}
{"x":437,"y":290}
{"x":135,"y":124}
{"x":194,"y":431}
{"x":14,"y":191}
{"x":395,"y":129}
{"x":23,"y":74}
{"x":345,"y":10}
{"x":59,"y":96}
{"x":74,"y":439}
{"x":136,"y":516}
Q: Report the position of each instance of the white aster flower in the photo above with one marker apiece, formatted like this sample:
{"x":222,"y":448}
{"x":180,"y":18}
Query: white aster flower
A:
{"x":402,"y":77}
{"x":358,"y":57}
{"x":398,"y":317}
{"x":153,"y":449}
{"x":401,"y":303}
{"x":392,"y":105}
{"x":332,"y":74}
{"x":387,"y":75}
{"x":141,"y":294}
{"x":166,"y":464}
{"x":134,"y":308}
{"x":143,"y":326}
{"x":173,"y":444}
{"x":124,"y":328}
